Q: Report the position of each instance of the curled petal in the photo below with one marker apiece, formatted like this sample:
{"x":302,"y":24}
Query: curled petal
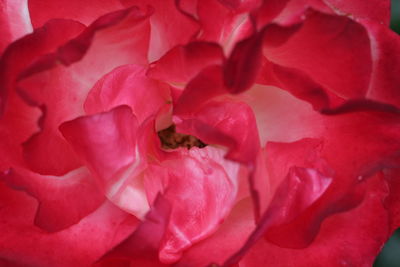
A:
{"x":42,"y":11}
{"x":107,"y":144}
{"x":128,"y":85}
{"x":63,"y":201}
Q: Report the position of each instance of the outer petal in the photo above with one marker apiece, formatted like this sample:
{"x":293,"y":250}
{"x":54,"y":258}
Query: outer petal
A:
{"x":27,"y":50}
{"x":63,"y":201}
{"x":79,"y":245}
{"x":63,"y":90}
{"x":376,"y":10}
{"x":107,"y":143}
{"x":14,"y":21}
{"x":141,"y":247}
{"x":43,"y":10}
{"x":327,"y":47}
{"x":352,"y":238}
{"x":385,"y":50}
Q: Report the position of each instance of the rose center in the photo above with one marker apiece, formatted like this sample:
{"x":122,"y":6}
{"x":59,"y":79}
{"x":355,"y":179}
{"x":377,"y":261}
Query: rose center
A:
{"x":170,"y":139}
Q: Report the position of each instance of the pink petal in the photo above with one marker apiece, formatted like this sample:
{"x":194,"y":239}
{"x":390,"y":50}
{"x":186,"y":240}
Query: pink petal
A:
{"x":224,"y":24}
{"x":142,"y":245}
{"x":243,"y":64}
{"x":376,"y":10}
{"x":385,"y":80}
{"x":63,"y":90}
{"x":78,"y":245}
{"x":327,"y":47}
{"x":169,"y":27}
{"x":201,"y":187}
{"x":231,"y":124}
{"x":14,"y":21}
{"x":354,"y":237}
{"x":128,"y":85}
{"x":107,"y":144}
{"x":182,"y":63}
{"x":22,"y":53}
{"x":42,"y":11}
{"x":229,"y":237}
{"x":63,"y":201}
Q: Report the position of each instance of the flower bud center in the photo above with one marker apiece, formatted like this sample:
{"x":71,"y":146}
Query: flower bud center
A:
{"x":170,"y":139}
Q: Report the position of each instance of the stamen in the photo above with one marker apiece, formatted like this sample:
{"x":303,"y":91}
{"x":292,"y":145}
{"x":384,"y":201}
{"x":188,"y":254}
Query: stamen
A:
{"x":170,"y":139}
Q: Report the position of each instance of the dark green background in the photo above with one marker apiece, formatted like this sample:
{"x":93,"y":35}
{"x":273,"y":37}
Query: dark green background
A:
{"x":390,"y":255}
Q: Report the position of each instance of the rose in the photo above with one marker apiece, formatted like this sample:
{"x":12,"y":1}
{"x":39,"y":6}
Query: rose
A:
{"x":82,"y":106}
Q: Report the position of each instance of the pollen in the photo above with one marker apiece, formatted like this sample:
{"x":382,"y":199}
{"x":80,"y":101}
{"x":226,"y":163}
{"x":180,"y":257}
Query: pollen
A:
{"x":170,"y":139}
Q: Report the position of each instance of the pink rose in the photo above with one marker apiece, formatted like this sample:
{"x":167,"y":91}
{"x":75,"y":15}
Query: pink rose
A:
{"x":198,"y":133}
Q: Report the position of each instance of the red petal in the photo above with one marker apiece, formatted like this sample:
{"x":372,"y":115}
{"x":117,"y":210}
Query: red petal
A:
{"x":201,"y":187}
{"x":63,"y":201}
{"x":327,"y":47}
{"x":142,"y":245}
{"x":63,"y":90}
{"x":79,"y":245}
{"x":107,"y":144}
{"x":14,"y":21}
{"x":223,"y":24}
{"x":28,"y":49}
{"x":226,"y":123}
{"x":243,"y":64}
{"x":128,"y":85}
{"x":385,"y":80}
{"x":182,"y":63}
{"x":376,"y":10}
{"x":352,"y":238}
{"x":42,"y":11}
{"x":169,"y":27}
{"x":225,"y":241}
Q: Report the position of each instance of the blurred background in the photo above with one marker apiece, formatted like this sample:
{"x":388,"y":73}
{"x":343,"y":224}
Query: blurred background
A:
{"x":390,"y":255}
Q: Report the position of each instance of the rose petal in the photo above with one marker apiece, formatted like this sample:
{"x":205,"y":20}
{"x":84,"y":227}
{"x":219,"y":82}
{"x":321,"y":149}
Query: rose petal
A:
{"x":231,"y":124}
{"x":63,"y":90}
{"x":79,"y":245}
{"x":182,"y":63}
{"x":327,"y":47}
{"x":354,"y":237}
{"x":63,"y":201}
{"x":201,"y":187}
{"x":169,"y":27}
{"x":142,"y":245}
{"x":14,"y":21}
{"x":22,"y":53}
{"x":128,"y":85}
{"x":385,"y":81}
{"x":225,"y":241}
{"x":42,"y":11}
{"x":107,"y":144}
{"x":377,"y":10}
